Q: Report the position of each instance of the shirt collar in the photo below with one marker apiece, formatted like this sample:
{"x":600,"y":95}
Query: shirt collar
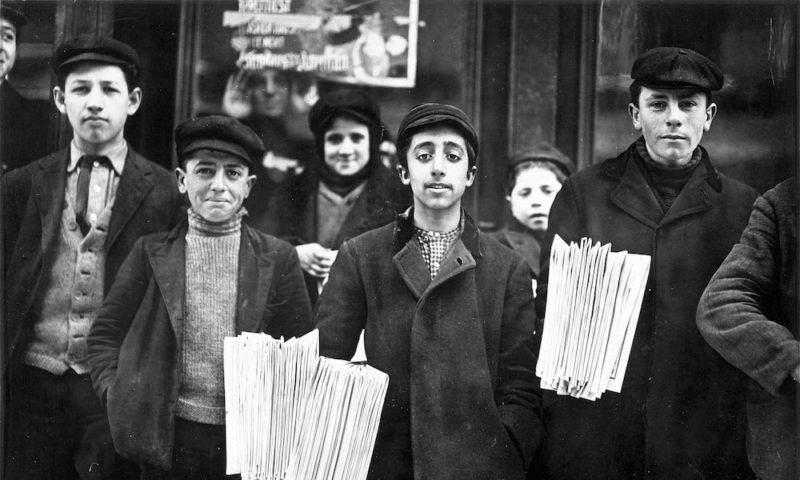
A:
{"x":115,"y":154}
{"x":404,"y":231}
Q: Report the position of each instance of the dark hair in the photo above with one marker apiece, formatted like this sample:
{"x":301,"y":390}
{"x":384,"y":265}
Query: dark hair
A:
{"x":404,"y":143}
{"x":636,"y":89}
{"x":516,"y":169}
{"x":130,"y":72}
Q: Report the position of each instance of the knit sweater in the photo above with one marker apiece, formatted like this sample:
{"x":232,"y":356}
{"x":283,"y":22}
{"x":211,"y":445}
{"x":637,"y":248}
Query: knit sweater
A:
{"x":212,"y":266}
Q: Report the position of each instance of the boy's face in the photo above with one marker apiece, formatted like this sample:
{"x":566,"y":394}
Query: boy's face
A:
{"x":672,"y":122}
{"x":438,"y":169}
{"x":8,"y":46}
{"x":97,"y":102}
{"x":346,"y":146}
{"x":532,"y":197}
{"x":216,"y":184}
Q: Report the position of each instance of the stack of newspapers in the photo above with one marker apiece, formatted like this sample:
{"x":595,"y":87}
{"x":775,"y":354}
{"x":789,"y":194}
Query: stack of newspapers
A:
{"x":593,"y":303}
{"x":291,"y":414}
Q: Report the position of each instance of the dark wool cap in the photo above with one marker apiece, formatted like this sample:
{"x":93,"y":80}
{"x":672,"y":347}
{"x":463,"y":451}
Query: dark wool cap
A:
{"x":220,"y":134}
{"x":430,"y":114}
{"x":94,"y":48}
{"x":13,"y":15}
{"x":349,"y":102}
{"x":545,"y":152}
{"x":672,"y":67}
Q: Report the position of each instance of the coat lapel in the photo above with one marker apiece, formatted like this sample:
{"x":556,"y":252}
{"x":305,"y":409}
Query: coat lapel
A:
{"x":457,"y":260}
{"x":412,"y":269}
{"x":692,"y":199}
{"x":635,"y":197}
{"x":48,"y":190}
{"x":134,"y":185}
{"x":168,"y":261}
{"x":255,"y":274}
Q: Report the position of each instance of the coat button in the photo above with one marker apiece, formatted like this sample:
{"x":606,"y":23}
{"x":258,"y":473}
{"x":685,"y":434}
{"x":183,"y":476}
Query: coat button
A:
{"x":72,"y":225}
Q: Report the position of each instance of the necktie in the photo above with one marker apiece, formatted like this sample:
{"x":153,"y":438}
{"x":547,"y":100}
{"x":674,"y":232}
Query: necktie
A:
{"x":85,"y":164}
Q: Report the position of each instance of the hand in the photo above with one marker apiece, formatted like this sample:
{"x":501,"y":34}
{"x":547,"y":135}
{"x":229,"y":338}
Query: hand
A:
{"x":235,"y":101}
{"x":315,"y":259}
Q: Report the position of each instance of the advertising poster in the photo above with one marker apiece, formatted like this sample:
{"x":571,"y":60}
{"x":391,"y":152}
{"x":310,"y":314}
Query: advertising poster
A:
{"x":366,"y":42}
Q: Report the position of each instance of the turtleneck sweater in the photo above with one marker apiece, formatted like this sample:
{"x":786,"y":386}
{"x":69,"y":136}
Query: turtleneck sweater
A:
{"x":212,"y":266}
{"x":666,"y":182}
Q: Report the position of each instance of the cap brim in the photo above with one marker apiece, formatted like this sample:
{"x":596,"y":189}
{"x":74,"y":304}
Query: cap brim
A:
{"x":217,"y":146}
{"x":93,"y":57}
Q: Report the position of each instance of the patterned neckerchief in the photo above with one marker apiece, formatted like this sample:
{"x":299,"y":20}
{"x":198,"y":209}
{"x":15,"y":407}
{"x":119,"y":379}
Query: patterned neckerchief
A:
{"x":434,"y":245}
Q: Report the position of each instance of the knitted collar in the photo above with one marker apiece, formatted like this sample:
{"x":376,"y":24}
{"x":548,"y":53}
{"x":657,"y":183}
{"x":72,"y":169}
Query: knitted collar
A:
{"x":641,"y":149}
{"x":202,"y":227}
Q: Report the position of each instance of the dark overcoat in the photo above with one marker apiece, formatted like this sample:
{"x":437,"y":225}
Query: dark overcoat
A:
{"x":748,"y":313}
{"x":147,"y":201}
{"x":680,"y":413}
{"x":462,"y":401}
{"x":134,"y":344}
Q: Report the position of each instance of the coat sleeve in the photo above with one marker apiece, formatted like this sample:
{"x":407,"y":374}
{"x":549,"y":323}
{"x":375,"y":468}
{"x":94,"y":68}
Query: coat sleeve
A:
{"x":517,"y":394}
{"x":293,"y":312}
{"x":566,"y":221}
{"x":731,"y":313}
{"x":115,"y":317}
{"x":341,"y":310}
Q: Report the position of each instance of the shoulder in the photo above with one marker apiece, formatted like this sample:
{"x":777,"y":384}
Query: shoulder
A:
{"x":495,"y":251}
{"x":148,"y":168}
{"x":784,"y":193}
{"x":735,"y":191}
{"x":27,"y":173}
{"x":265,"y":243}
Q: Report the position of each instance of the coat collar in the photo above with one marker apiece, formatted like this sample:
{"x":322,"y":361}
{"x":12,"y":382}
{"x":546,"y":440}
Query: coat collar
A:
{"x":411,"y":266}
{"x":634,"y":195}
{"x":168,"y":261}
{"x":404,"y":231}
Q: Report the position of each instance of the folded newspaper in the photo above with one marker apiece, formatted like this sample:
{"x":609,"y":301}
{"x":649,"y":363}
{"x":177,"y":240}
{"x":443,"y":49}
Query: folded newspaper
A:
{"x":594,"y":297}
{"x":291,"y":414}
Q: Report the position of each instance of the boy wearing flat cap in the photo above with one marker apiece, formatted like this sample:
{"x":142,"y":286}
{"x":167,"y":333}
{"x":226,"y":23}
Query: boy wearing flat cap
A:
{"x":156,"y":348}
{"x":679,"y":414}
{"x":447,"y":313}
{"x":69,"y":220}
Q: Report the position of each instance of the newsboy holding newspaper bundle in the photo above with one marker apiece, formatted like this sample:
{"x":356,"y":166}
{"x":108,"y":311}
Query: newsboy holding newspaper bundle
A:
{"x":156,"y":348}
{"x":448,"y":315}
{"x":679,"y":413}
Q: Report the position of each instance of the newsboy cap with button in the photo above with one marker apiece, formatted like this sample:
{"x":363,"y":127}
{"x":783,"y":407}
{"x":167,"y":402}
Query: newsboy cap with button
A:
{"x":96,"y":49}
{"x":13,"y":15}
{"x":430,"y":114}
{"x":220,"y":134}
{"x":673,"y":67}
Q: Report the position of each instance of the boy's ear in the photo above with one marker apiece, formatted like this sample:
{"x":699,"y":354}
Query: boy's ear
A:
{"x":633,"y":111}
{"x":58,"y":99}
{"x":180,"y":176}
{"x":471,"y":175}
{"x":403,"y":173}
{"x":251,"y":180}
{"x":134,"y":100}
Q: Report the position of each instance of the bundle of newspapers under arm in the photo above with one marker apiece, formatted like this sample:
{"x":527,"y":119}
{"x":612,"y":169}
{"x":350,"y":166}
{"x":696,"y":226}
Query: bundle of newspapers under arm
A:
{"x":594,"y":297}
{"x":291,"y":414}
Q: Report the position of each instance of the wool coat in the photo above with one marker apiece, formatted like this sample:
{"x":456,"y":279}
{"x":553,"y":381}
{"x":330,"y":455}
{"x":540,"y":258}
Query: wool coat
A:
{"x":680,"y":412}
{"x":135,"y":342}
{"x":748,"y":313}
{"x":147,"y":201}
{"x":21,"y":137}
{"x":462,"y":400}
{"x":382,"y":199}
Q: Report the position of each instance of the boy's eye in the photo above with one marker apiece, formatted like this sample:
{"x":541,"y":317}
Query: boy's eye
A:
{"x":234,"y":173}
{"x":356,"y":137}
{"x":524,"y":192}
{"x":688,"y":104}
{"x":454,"y":157}
{"x":204,"y":171}
{"x":424,"y":156}
{"x":658,"y":105}
{"x":9,"y":37}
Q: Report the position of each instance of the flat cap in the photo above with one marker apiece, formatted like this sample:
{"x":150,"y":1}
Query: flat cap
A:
{"x":13,"y":15}
{"x":430,"y":114}
{"x":94,"y":48}
{"x":221,"y":134}
{"x":346,"y":101}
{"x":673,"y":67}
{"x":545,"y":152}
